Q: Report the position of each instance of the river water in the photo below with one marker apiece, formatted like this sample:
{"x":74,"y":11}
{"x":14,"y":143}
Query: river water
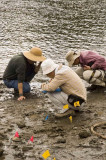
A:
{"x":55,"y":26}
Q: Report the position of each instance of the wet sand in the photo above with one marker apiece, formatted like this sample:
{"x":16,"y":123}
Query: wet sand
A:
{"x":63,"y":139}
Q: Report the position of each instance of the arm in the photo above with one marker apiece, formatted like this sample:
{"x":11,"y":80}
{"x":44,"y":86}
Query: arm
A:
{"x":98,"y":62}
{"x":91,"y":59}
{"x":21,"y":78}
{"x":54,"y":84}
{"x":20,"y":89}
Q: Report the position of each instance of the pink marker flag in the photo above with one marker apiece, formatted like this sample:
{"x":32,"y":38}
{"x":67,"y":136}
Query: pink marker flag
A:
{"x":31,"y":139}
{"x":16,"y":135}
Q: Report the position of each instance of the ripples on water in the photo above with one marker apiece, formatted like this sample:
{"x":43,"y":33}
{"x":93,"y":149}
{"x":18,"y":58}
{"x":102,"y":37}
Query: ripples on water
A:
{"x":54,"y":25}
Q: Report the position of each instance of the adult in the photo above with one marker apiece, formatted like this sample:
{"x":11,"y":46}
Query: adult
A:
{"x":72,"y":88}
{"x":93,"y":67}
{"x":21,"y":69}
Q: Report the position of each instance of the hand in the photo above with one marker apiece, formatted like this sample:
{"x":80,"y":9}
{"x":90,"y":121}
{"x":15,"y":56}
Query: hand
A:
{"x":21,"y":98}
{"x":86,"y":67}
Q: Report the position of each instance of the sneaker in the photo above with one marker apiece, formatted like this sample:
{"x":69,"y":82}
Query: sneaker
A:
{"x":66,"y":113}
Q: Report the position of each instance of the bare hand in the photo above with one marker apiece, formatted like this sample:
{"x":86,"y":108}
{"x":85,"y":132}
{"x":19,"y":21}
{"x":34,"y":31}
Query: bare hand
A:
{"x":21,"y":98}
{"x":86,"y":67}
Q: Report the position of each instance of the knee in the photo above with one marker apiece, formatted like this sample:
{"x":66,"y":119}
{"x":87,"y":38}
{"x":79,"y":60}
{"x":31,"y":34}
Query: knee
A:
{"x":86,"y":75}
{"x":26,"y":88}
{"x":79,"y":71}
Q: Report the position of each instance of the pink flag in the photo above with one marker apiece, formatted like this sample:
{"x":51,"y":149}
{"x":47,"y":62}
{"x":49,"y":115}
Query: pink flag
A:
{"x":16,"y":135}
{"x":31,"y":139}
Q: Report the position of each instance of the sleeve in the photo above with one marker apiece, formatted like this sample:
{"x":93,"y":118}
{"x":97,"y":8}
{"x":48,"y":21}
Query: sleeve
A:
{"x":20,"y":71}
{"x":98,"y":62}
{"x":58,"y":81}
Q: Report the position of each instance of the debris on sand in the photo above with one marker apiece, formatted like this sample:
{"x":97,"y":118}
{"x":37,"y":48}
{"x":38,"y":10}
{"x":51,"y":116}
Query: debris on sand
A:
{"x":84,"y":134}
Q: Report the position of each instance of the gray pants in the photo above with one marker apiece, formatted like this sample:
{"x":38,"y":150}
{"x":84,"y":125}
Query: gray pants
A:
{"x":98,"y":78}
{"x":59,"y":99}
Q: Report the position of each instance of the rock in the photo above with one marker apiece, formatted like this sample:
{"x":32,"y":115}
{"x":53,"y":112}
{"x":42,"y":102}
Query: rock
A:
{"x":57,"y":146}
{"x":9,"y":129}
{"x":18,"y":154}
{"x":84,"y":134}
{"x":26,"y":148}
{"x":61,"y":141}
{"x":1,"y":152}
{"x":16,"y":139}
{"x":1,"y":144}
{"x":21,"y":124}
{"x":75,"y":128}
{"x":53,"y":134}
{"x":15,"y":147}
{"x":2,"y":135}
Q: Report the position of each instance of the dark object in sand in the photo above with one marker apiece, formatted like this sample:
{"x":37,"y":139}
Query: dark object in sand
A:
{"x":84,"y":134}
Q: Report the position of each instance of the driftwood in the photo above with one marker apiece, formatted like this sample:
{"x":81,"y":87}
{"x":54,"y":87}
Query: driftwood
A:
{"x":96,"y":125}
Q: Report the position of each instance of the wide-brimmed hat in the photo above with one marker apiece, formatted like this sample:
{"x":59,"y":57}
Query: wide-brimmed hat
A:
{"x":48,"y":66}
{"x":71,"y":56}
{"x":35,"y":54}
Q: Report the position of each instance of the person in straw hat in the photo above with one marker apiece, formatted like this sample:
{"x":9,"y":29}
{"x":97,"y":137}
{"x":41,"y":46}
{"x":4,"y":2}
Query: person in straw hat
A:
{"x":93,"y":67}
{"x":21,"y":69}
{"x":65,"y":89}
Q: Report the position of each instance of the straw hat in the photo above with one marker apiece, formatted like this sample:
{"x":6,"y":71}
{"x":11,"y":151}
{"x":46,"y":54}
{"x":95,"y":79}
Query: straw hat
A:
{"x":48,"y":66}
{"x":71,"y":56}
{"x":35,"y":54}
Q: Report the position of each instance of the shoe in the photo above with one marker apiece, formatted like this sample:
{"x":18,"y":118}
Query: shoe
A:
{"x":92,"y":88}
{"x":66,"y":113}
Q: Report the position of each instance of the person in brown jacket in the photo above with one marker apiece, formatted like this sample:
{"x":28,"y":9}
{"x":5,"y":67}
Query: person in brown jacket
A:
{"x":73,"y":92}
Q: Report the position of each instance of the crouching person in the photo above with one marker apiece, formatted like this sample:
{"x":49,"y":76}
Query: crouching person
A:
{"x":93,"y":67}
{"x":21,"y":70}
{"x":72,"y":89}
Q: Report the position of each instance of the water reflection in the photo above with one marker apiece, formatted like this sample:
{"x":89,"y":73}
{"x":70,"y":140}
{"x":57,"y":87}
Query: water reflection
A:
{"x":54,"y":25}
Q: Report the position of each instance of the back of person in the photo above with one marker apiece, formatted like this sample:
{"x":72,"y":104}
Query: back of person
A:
{"x":13,"y":67}
{"x":72,"y":82}
{"x":92,"y":59}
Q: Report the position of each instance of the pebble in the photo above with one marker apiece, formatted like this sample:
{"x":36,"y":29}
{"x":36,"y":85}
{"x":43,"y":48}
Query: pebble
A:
{"x":61,"y":141}
{"x":1,"y":144}
{"x":16,"y":139}
{"x":2,"y":136}
{"x":21,"y":124}
{"x":26,"y":148}
{"x":84,"y":134}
